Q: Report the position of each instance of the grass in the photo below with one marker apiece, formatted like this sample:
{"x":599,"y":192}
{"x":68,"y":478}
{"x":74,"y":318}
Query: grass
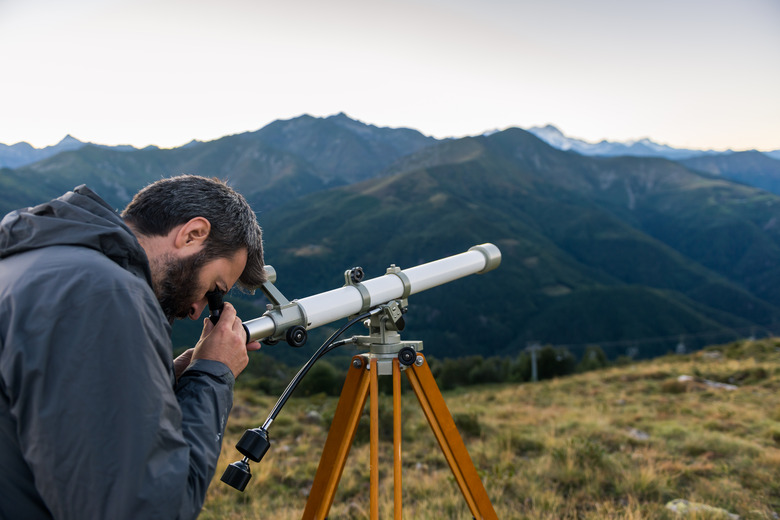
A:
{"x":616,"y":443}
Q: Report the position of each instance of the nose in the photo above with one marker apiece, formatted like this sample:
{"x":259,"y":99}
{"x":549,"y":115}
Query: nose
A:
{"x":196,"y":309}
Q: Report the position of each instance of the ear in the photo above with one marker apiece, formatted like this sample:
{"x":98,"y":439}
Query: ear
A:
{"x":192,"y":234}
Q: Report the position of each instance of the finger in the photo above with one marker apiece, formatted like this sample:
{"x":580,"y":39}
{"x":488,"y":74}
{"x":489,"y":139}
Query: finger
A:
{"x":237,"y":324}
{"x":207,"y":326}
{"x":228,"y":315}
{"x":186,"y":354}
{"x":255,"y":345}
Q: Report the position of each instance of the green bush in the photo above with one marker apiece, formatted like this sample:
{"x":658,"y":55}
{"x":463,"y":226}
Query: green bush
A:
{"x":321,"y":378}
{"x":593,"y":359}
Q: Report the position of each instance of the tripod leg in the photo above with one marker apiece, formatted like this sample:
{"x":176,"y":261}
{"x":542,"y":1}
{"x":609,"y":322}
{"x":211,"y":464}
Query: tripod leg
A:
{"x":397,"y":497}
{"x":340,"y":437}
{"x":450,"y":441}
{"x":374,"y":444}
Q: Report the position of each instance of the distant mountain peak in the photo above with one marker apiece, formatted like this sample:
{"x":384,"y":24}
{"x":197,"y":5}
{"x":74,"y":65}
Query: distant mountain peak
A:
{"x":18,"y":156}
{"x":555,"y":138}
{"x":643,"y":147}
{"x":68,"y":140}
{"x":340,"y":115}
{"x":552,"y":128}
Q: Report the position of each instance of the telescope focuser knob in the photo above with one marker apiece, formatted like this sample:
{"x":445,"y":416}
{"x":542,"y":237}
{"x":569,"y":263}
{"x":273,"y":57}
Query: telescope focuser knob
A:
{"x":296,"y":336}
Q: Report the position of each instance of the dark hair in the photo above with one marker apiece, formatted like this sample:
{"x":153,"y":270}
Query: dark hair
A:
{"x":167,"y":203}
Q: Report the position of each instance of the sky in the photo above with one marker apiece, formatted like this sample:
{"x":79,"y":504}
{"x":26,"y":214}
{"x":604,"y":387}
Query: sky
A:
{"x":701,"y":74}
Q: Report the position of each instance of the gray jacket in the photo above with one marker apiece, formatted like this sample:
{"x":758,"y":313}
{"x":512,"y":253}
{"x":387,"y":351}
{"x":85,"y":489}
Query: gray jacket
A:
{"x":93,"y":424}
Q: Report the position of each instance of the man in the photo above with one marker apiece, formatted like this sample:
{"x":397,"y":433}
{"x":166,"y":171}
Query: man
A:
{"x":96,"y":419}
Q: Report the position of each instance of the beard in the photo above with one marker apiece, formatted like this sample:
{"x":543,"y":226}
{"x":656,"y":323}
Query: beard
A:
{"x":175,"y":283}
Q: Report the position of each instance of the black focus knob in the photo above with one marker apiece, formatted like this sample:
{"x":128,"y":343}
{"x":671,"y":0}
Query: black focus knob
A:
{"x":296,"y":336}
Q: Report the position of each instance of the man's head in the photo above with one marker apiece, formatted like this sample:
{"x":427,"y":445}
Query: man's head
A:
{"x":199,"y":235}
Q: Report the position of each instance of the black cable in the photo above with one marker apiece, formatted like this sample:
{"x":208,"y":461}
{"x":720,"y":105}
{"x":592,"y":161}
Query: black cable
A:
{"x":324,"y":349}
{"x":339,"y":343}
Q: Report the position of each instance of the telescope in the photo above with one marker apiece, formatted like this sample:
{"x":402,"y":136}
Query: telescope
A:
{"x":290,"y":320}
{"x":380,"y":302}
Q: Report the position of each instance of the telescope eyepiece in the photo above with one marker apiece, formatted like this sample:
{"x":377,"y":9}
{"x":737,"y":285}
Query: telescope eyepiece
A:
{"x":215,"y":305}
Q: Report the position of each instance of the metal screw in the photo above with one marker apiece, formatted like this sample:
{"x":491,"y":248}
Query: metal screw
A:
{"x":419,"y":361}
{"x":357,"y":363}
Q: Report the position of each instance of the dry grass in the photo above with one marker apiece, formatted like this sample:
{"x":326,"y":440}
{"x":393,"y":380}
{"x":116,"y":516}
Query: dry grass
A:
{"x":618,"y":443}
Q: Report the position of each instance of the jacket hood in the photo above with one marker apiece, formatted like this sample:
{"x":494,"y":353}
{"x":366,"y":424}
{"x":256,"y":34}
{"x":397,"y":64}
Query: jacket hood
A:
{"x":78,"y":218}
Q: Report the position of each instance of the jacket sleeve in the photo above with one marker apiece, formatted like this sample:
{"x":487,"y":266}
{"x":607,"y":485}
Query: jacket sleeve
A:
{"x":205,"y":406}
{"x":100,"y":424}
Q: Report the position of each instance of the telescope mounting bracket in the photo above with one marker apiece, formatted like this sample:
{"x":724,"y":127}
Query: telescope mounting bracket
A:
{"x":384,"y":341}
{"x":289,"y":317}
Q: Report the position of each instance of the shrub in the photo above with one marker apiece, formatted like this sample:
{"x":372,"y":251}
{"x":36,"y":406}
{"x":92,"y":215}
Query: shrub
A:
{"x":321,"y":378}
{"x":593,"y":359}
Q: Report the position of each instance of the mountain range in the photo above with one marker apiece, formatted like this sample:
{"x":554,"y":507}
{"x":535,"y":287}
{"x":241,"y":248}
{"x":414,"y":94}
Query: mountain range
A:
{"x":637,"y":148}
{"x":22,"y":154}
{"x":633,"y":253}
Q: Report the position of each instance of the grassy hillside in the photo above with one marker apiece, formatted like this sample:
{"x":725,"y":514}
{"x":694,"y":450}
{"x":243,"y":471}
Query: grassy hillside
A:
{"x":617,"y":443}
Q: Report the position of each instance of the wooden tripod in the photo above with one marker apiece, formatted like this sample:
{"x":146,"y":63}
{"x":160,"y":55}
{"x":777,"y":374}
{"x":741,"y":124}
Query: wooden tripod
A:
{"x":362,"y":380}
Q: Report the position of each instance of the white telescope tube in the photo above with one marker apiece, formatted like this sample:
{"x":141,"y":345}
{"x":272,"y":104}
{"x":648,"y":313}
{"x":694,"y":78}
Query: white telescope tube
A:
{"x":337,"y":304}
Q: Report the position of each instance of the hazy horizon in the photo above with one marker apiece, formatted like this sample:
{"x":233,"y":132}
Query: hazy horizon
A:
{"x":689,"y":73}
{"x":368,"y":123}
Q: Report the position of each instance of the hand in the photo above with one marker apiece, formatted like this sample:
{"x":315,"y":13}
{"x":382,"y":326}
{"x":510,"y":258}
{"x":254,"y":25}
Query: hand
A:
{"x":225,"y":342}
{"x":182,"y":362}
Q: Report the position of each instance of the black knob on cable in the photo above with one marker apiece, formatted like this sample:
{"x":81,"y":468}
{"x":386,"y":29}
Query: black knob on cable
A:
{"x":237,"y":475}
{"x":254,"y":444}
